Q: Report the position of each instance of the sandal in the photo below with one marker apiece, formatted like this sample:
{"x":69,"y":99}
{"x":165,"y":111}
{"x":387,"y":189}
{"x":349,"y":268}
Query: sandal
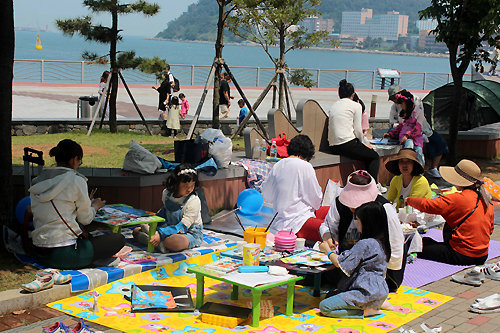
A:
{"x":42,"y":281}
{"x":58,"y":277}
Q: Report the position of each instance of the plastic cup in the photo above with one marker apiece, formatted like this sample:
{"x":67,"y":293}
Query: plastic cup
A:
{"x":300,"y":243}
{"x":251,"y":253}
{"x":255,"y":235}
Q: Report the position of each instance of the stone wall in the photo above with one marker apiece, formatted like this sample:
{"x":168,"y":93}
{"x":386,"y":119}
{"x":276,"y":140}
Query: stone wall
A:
{"x":35,"y":127}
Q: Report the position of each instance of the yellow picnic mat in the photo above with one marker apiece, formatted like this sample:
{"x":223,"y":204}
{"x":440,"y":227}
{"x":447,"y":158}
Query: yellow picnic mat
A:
{"x":114,"y":310}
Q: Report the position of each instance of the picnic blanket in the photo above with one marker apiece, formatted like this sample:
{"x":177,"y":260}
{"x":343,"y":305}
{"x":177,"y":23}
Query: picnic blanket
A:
{"x":115,"y":312}
{"x":421,"y":271}
{"x":90,"y":278}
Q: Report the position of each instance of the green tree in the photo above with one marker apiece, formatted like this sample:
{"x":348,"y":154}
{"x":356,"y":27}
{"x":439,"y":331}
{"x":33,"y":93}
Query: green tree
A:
{"x":108,"y":35}
{"x":463,"y":25}
{"x":275,"y":23}
{"x":6,"y":75}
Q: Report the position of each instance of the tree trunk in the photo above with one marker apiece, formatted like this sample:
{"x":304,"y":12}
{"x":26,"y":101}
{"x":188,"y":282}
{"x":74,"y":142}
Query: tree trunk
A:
{"x":219,"y":45}
{"x":6,"y":74}
{"x":114,"y":73}
{"x":281,"y":65}
{"x":457,"y":75}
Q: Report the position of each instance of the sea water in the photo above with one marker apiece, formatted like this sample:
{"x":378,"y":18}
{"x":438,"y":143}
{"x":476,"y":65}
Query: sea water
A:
{"x":57,"y":46}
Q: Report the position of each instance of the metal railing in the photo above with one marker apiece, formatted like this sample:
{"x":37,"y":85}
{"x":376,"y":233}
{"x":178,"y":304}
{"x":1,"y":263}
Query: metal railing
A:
{"x":61,"y":71}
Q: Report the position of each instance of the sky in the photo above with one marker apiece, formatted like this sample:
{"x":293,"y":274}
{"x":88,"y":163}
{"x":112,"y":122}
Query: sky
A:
{"x":39,"y":14}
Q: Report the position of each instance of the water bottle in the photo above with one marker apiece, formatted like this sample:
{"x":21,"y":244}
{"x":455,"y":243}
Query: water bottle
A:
{"x":263,"y":150}
{"x":256,"y":150}
{"x":273,"y":151}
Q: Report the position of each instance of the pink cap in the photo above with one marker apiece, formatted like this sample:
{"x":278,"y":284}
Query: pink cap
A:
{"x":353,"y":195}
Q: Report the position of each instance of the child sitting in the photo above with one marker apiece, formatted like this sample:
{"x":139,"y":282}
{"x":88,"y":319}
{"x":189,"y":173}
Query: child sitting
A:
{"x":409,"y":132}
{"x":184,"y":105}
{"x":243,"y":111}
{"x":362,"y":290}
{"x":183,"y":227}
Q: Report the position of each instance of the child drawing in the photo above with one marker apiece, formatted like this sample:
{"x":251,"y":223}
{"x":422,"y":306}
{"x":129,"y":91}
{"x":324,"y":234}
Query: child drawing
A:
{"x":362,"y":290}
{"x":183,"y":227}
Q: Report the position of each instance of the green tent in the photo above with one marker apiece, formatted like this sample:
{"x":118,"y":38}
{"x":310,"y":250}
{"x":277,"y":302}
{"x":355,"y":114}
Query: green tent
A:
{"x":481,"y":99}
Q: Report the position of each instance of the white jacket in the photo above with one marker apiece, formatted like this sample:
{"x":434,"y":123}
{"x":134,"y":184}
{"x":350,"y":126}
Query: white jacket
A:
{"x":68,"y":190}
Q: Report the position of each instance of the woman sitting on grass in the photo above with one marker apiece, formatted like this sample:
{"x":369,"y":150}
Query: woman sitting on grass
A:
{"x":60,"y":203}
{"x":408,"y":181}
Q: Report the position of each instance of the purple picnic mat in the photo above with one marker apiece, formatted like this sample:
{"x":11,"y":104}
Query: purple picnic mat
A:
{"x":422,"y":271}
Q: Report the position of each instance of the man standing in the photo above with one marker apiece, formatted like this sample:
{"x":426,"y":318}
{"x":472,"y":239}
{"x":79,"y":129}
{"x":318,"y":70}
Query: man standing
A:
{"x":224,"y":96}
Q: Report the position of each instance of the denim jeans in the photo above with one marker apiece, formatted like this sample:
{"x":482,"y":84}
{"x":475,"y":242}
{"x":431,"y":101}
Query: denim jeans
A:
{"x":336,"y":307}
{"x":420,"y":152}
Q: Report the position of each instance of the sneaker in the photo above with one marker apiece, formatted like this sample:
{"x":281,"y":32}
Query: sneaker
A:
{"x":81,"y":327}
{"x":474,"y":277}
{"x":57,"y":327}
{"x":434,"y":172}
{"x":42,"y":281}
{"x":381,"y":188}
{"x":58,"y":277}
{"x":491,"y":271}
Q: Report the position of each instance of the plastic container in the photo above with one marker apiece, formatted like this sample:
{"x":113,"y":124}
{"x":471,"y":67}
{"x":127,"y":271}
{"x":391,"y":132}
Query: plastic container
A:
{"x":285,"y":240}
{"x":251,"y":254}
{"x":249,"y":201}
{"x":273,"y":151}
{"x":263,"y":149}
{"x":256,"y":150}
{"x":255,"y":235}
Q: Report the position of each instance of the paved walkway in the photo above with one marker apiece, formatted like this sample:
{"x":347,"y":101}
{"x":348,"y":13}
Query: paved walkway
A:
{"x":58,"y":101}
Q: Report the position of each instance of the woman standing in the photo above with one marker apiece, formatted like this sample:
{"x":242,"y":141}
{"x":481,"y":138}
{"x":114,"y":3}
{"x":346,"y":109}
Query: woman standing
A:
{"x":468,"y":214}
{"x":60,"y":202}
{"x":345,"y":133}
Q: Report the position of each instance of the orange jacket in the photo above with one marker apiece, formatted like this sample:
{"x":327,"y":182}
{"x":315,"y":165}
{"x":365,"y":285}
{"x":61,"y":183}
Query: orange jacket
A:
{"x":472,"y":239}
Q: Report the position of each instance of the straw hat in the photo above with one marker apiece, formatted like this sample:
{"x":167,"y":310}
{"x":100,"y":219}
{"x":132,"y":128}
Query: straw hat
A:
{"x":353,"y":195}
{"x":464,"y":174}
{"x":393,"y":165}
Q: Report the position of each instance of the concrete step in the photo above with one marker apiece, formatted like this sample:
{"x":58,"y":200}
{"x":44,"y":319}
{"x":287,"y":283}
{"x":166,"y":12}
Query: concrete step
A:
{"x":18,"y":299}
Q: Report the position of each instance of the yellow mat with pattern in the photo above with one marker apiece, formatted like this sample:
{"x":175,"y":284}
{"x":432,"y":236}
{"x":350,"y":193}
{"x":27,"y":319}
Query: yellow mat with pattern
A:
{"x":114,"y":311}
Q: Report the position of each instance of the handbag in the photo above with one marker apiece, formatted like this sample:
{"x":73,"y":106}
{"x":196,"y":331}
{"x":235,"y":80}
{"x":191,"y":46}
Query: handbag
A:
{"x":448,"y":231}
{"x":281,"y":143}
{"x":84,"y":235}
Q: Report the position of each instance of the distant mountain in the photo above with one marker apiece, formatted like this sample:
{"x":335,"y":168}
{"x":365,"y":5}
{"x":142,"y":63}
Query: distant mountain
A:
{"x":199,"y":22}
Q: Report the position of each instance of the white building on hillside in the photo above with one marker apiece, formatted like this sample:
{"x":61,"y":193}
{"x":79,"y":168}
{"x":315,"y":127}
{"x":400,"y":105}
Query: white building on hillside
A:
{"x":364,"y":24}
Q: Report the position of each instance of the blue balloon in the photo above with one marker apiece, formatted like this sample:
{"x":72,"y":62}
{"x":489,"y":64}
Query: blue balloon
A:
{"x":21,"y":208}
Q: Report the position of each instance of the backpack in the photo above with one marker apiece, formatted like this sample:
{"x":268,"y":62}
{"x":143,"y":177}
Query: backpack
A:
{"x":176,"y":86}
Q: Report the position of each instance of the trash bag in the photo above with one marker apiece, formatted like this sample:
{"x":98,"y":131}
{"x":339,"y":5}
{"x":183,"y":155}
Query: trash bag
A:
{"x":139,"y":159}
{"x":221,"y":147}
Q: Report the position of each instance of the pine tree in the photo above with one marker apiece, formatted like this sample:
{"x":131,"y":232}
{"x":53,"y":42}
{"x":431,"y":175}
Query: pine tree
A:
{"x":108,"y":35}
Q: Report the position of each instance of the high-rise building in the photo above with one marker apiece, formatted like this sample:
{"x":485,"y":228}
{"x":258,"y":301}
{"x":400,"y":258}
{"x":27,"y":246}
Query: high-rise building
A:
{"x":429,"y":24}
{"x":364,"y":24}
{"x":315,"y":24}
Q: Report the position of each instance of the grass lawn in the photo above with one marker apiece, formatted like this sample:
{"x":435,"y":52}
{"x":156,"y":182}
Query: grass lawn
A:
{"x":12,"y":272}
{"x":102,"y":149}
